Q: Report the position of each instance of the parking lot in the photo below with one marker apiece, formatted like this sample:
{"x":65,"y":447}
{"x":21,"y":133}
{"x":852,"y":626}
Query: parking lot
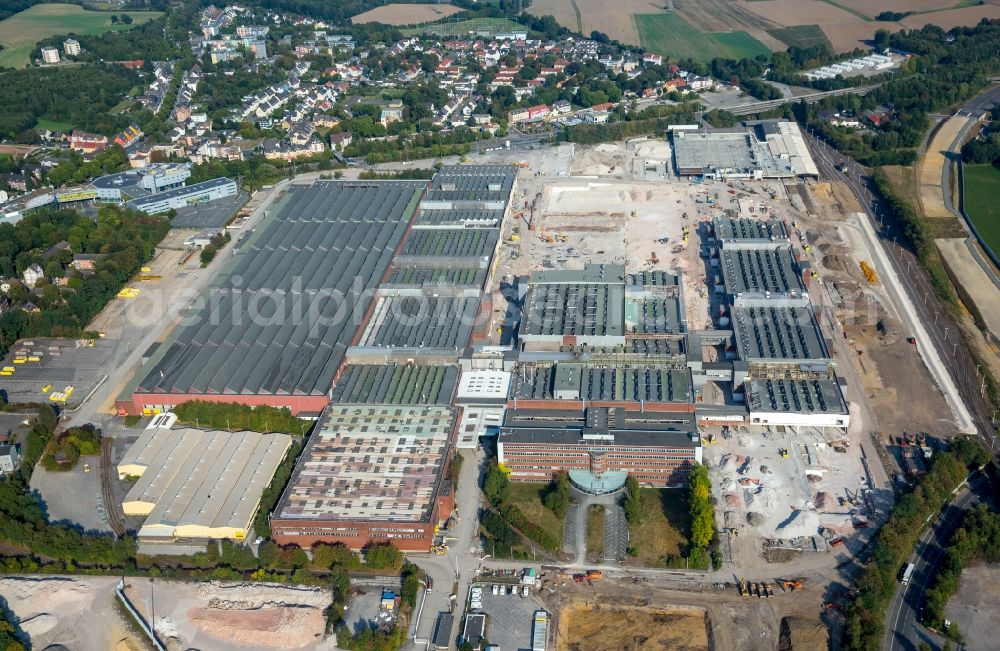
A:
{"x":615,"y":532}
{"x":211,"y":214}
{"x":60,"y":363}
{"x":73,"y":496}
{"x":363,"y":609}
{"x":509,"y":617}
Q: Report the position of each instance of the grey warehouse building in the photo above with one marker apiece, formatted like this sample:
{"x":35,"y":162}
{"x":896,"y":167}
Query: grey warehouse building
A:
{"x":276,"y":326}
{"x":185,"y":196}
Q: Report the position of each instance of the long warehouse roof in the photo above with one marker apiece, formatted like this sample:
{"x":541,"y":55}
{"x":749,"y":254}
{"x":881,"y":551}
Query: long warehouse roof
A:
{"x":211,"y":481}
{"x":276,"y":323}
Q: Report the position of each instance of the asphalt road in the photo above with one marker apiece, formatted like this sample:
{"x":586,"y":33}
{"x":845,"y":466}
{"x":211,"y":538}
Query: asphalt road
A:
{"x":903,"y":628}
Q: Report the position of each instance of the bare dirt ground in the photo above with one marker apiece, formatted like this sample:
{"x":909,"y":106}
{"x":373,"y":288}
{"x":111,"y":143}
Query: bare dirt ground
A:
{"x":609,"y":615}
{"x":800,"y":12}
{"x":953,"y":17}
{"x":975,"y":286}
{"x":405,"y":14}
{"x":932,"y":164}
{"x":887,"y":366}
{"x":873,"y":7}
{"x":974,"y":607}
{"x":844,"y":37}
{"x":18,"y":150}
{"x":615,"y":20}
{"x":586,"y":628}
{"x":563,"y":12}
{"x":230,"y":616}
{"x":76,"y":612}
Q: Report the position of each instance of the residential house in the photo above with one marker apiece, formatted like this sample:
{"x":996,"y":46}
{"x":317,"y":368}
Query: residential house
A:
{"x":32,"y":275}
{"x":9,"y":458}
{"x":392,"y":112}
{"x":87,"y":142}
{"x":339,"y":141}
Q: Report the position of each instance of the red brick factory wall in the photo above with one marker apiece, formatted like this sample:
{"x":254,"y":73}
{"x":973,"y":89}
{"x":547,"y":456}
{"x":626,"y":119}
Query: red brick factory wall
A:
{"x":297,"y":404}
{"x":407,"y":536}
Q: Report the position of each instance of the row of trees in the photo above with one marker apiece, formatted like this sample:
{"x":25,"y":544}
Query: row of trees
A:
{"x":702,"y":516}
{"x":234,"y":417}
{"x":652,"y":120}
{"x":977,"y":540}
{"x":504,"y":521}
{"x":898,"y":538}
{"x":917,"y":232}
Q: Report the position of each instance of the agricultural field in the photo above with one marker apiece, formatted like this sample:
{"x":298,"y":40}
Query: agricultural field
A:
{"x":405,"y":14}
{"x":20,"y":32}
{"x":803,"y":36}
{"x":982,"y":187}
{"x":672,"y":36}
{"x":465,"y":27}
{"x":734,"y":28}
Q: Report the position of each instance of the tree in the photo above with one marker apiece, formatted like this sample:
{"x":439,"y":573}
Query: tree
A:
{"x":326,"y":556}
{"x":557,"y":497}
{"x":496,"y":484}
{"x":633,"y":500}
{"x":700,"y":505}
{"x":382,"y":556}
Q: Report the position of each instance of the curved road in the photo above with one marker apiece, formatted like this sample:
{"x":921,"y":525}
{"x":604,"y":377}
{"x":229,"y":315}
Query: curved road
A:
{"x":903,"y":628}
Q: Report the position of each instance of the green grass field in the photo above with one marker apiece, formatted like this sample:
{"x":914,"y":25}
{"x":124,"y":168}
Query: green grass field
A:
{"x":663,"y":530}
{"x":801,"y":36}
{"x":20,"y":32}
{"x":982,"y":187}
{"x":527,"y":497}
{"x":671,"y":35}
{"x":446,"y":27}
{"x":52,"y":125}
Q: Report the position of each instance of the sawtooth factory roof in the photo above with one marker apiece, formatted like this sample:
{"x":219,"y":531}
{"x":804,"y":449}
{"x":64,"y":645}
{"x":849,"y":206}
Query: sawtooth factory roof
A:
{"x":271,"y":324}
{"x":395,"y":385}
{"x":778,"y":333}
{"x":761,"y":271}
{"x":424,"y":322}
{"x":811,"y":396}
{"x":423,"y":276}
{"x":583,"y":382}
{"x":450,"y":243}
{"x":429,"y":217}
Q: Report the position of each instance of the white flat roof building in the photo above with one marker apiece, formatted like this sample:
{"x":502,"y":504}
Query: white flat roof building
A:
{"x":483,"y":387}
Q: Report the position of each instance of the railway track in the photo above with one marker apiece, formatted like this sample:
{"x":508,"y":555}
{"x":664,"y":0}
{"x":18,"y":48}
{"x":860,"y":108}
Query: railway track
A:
{"x":944,"y":331}
{"x":114,"y":520}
